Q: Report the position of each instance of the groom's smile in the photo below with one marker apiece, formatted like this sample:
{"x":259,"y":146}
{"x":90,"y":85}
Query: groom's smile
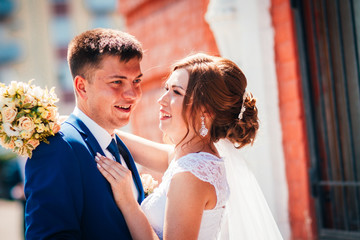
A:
{"x":124,"y":108}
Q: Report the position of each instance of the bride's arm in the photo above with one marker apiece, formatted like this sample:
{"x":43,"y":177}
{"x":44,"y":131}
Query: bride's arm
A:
{"x":149,"y":154}
{"x":187,"y":198}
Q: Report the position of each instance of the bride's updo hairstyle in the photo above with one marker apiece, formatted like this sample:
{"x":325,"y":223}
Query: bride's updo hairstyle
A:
{"x":217,"y":85}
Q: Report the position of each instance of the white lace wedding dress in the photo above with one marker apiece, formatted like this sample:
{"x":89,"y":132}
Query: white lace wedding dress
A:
{"x":204,"y":166}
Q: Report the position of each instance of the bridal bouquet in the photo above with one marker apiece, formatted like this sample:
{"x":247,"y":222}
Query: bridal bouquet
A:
{"x":149,"y":183}
{"x":28,"y":115}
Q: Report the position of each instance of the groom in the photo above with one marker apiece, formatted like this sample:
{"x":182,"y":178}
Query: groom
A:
{"x":67,"y":197}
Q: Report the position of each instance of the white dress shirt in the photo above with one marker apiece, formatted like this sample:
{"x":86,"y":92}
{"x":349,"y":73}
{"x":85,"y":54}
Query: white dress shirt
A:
{"x":104,"y":138}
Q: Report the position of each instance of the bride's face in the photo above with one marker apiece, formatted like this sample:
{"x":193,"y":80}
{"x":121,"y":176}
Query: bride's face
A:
{"x":171,"y":120}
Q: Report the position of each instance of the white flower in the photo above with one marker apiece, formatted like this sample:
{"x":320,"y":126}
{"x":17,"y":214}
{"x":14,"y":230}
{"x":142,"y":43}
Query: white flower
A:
{"x":36,"y":92}
{"x":2,"y":98}
{"x":2,"y":104}
{"x":10,"y":130}
{"x":9,"y":102}
{"x":19,"y":143}
{"x":25,"y":134}
{"x":52,"y":96}
{"x":2,"y":89}
{"x":13,"y":88}
{"x":40,"y":128}
{"x":149,"y":183}
{"x":21,"y":88}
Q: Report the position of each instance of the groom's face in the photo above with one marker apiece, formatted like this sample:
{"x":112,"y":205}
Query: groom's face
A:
{"x":113,"y":92}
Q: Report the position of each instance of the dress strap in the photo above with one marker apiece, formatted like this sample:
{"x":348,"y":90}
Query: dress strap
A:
{"x":207,"y":168}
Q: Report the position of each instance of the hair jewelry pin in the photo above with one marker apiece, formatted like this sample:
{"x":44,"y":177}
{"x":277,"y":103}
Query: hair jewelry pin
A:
{"x":243,"y":108}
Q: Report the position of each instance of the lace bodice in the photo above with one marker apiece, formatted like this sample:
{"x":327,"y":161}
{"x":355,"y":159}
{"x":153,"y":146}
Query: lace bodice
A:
{"x":207,"y":168}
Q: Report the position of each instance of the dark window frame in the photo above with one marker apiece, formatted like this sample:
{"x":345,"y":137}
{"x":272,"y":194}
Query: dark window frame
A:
{"x":315,"y":67}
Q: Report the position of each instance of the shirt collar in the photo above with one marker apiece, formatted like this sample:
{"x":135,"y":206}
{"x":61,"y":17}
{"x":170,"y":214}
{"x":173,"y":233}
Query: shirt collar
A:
{"x":100,"y":134}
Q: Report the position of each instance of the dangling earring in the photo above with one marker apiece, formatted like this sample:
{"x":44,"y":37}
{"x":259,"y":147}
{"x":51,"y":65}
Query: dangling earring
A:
{"x":203,"y":130}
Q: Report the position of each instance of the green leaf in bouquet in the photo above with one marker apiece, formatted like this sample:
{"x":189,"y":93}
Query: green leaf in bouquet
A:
{"x":31,"y":115}
{"x":29,"y":152}
{"x":20,"y":114}
{"x":27,"y":105}
{"x":7,"y":139}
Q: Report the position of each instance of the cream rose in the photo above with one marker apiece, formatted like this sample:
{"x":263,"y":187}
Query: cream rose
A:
{"x":52,"y":113}
{"x":54,"y":126}
{"x":8,"y":114}
{"x":33,"y":143}
{"x":10,"y":145}
{"x":40,"y":109}
{"x":30,"y":100}
{"x":25,"y":123}
{"x":25,"y":134}
{"x":45,"y":114}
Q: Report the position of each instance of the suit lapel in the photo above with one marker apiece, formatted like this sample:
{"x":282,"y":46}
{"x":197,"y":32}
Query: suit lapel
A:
{"x":132,"y":167}
{"x":89,"y":139}
{"x":94,"y":147}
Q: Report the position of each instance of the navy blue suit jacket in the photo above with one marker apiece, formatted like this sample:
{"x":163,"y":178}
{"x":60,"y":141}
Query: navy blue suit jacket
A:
{"x":67,"y":197}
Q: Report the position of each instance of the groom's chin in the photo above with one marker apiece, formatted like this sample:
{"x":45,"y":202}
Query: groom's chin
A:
{"x":122,"y":123}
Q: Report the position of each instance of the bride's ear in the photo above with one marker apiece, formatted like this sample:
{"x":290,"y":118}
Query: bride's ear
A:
{"x":206,"y":113}
{"x":80,"y":86}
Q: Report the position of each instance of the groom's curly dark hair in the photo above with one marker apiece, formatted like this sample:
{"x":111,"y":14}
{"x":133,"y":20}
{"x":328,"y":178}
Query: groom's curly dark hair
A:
{"x":86,"y":50}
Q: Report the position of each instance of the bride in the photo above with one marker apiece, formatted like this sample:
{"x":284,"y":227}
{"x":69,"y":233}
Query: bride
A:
{"x":206,"y":192}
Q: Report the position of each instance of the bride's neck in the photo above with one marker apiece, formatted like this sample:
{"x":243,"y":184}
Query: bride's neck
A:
{"x":194,"y":147}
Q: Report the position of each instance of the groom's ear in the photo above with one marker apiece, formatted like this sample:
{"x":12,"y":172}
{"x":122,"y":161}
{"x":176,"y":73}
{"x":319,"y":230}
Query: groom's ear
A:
{"x":80,"y":86}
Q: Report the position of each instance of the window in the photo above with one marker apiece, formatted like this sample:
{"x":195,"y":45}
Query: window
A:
{"x":328,"y":34}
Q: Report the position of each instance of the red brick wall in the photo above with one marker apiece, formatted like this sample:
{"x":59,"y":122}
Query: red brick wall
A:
{"x":301,"y":212}
{"x":169,"y":30}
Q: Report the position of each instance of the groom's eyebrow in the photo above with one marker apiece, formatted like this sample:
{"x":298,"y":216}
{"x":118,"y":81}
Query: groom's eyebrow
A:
{"x":124,"y":77}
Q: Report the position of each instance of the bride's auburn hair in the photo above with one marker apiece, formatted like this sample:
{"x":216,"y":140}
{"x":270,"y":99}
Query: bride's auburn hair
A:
{"x":217,"y":85}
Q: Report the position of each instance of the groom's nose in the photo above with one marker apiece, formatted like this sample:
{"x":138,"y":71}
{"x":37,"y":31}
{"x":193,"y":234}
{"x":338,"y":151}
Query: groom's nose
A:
{"x":131,"y":93}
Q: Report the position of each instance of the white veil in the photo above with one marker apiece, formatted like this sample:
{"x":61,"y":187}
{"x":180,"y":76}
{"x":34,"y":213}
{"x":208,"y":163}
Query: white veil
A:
{"x":248,"y":216}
